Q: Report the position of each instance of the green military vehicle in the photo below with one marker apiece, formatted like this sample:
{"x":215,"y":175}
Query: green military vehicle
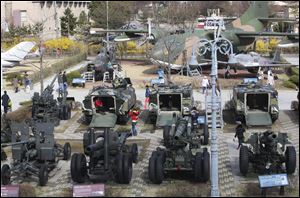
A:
{"x":254,"y":104}
{"x":267,"y":152}
{"x":117,"y":100}
{"x":168,"y":99}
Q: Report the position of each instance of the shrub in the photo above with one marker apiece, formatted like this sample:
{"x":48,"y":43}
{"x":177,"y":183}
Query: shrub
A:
{"x":71,"y":75}
{"x":295,"y":71}
{"x":289,"y":84}
{"x":294,"y":79}
{"x":93,"y":49}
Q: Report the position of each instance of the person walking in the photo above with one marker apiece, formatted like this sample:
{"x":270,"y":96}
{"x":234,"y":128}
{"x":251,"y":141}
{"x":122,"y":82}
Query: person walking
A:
{"x":134,"y":115}
{"x":239,"y":133}
{"x":60,"y":83}
{"x":16,"y":84}
{"x":271,"y":80}
{"x":204,"y":84}
{"x":147,"y":97}
{"x":65,"y":82}
{"x":5,"y":101}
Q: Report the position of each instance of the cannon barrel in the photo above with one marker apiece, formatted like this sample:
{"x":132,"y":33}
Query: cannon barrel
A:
{"x":272,"y":137}
{"x":94,"y":147}
{"x":14,"y":143}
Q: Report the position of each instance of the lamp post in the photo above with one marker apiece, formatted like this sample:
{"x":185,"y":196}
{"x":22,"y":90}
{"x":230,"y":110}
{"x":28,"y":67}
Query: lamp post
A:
{"x":224,"y":46}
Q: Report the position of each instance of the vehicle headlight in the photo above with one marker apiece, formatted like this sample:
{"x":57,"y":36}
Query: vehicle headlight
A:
{"x":274,"y":109}
{"x":186,"y":110}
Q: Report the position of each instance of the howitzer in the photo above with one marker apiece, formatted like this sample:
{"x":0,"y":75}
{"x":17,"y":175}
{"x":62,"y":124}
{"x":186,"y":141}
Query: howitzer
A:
{"x":31,"y":140}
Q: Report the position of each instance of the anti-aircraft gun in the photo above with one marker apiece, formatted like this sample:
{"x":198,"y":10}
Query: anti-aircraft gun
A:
{"x":117,"y":100}
{"x":46,"y":108}
{"x":109,"y":157}
{"x":34,"y":152}
{"x":183,"y":151}
{"x":267,"y":152}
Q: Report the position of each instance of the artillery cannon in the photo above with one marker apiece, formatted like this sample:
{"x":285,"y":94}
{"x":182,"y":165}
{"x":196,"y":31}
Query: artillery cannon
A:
{"x":109,"y":157}
{"x":33,"y":152}
{"x":183,"y":151}
{"x":267,"y":152}
{"x":45,"y":108}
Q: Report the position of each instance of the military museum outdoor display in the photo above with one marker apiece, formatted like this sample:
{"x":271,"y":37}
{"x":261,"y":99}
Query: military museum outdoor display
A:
{"x":183,"y":151}
{"x":34,"y":152}
{"x":109,"y":157}
{"x":168,"y":99}
{"x":103,"y":102}
{"x":254,"y":104}
{"x":267,"y":152}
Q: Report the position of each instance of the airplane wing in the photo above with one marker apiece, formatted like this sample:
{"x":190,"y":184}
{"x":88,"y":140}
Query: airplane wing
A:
{"x":252,"y":34}
{"x":126,"y":31}
{"x":18,"y":52}
{"x":277,"y":20}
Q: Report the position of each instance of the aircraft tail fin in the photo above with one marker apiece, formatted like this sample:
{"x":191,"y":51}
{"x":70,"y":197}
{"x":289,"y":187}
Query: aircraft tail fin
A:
{"x":276,"y":57}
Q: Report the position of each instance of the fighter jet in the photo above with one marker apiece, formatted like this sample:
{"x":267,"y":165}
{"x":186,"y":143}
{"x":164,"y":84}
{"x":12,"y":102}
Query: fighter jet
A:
{"x":16,"y":54}
{"x":169,"y":49}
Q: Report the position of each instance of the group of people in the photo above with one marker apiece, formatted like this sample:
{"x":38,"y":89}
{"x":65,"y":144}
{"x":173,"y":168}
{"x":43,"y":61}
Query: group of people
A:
{"x":270,"y":78}
{"x":26,"y":81}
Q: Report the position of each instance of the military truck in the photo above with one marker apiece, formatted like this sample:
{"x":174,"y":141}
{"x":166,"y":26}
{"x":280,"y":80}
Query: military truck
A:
{"x":109,"y":157}
{"x":255,"y":104}
{"x":184,"y":151}
{"x":267,"y":152}
{"x":168,"y":99}
{"x":117,"y":99}
{"x":34,"y":152}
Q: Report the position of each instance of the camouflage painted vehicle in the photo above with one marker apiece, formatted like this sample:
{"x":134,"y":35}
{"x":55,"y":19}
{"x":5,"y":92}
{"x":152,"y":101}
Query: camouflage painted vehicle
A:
{"x":168,"y":99}
{"x":267,"y":152}
{"x":117,"y":100}
{"x":109,"y":157}
{"x":34,"y":152}
{"x":254,"y":104}
{"x":184,"y":151}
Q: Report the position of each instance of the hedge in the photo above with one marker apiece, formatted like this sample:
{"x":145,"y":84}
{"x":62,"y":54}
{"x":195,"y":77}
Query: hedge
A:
{"x":59,"y":66}
{"x":289,"y":84}
{"x":10,"y":77}
{"x":71,"y":75}
{"x":294,"y":79}
{"x":295,"y":71}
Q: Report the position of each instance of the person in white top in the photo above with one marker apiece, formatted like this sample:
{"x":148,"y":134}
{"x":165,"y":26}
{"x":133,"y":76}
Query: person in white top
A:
{"x":204,"y":84}
{"x":271,"y":80}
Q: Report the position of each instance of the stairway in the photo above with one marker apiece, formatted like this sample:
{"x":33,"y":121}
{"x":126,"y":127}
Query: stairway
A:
{"x":208,"y":111}
{"x":89,"y":76}
{"x":194,"y":72}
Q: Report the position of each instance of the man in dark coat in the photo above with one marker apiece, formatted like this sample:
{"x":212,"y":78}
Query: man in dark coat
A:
{"x":239,"y":133}
{"x":5,"y":100}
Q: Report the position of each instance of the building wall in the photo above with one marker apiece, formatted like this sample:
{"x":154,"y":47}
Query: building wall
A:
{"x":31,"y":12}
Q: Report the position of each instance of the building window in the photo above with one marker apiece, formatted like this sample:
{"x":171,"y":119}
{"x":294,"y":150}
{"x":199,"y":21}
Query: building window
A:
{"x":23,"y":17}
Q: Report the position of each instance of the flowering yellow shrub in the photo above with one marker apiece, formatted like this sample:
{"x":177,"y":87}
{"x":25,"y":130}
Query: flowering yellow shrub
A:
{"x":264,"y":46}
{"x":62,"y":43}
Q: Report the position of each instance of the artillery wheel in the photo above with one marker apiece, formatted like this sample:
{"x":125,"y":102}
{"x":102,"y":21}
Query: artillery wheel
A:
{"x":69,"y":107}
{"x":290,"y":159}
{"x":163,"y":155}
{"x":205,"y":134}
{"x":119,"y":176}
{"x":81,"y":169}
{"x":73,"y":167}
{"x":60,"y":113}
{"x":5,"y":174}
{"x":151,"y":167}
{"x":205,"y":166}
{"x":127,"y":168}
{"x":159,"y":169}
{"x":166,"y":134}
{"x":244,"y":160}
{"x":135,"y":152}
{"x":65,"y":112}
{"x":88,"y":119}
{"x":67,"y":151}
{"x":123,"y":119}
{"x":198,"y":167}
{"x":43,"y":175}
{"x":3,"y":154}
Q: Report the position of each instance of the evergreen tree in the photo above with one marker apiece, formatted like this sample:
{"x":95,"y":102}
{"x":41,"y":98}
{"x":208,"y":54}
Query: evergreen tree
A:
{"x":68,"y":23}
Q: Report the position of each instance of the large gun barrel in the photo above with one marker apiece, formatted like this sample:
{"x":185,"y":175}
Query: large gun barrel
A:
{"x":14,"y":143}
{"x":94,"y":147}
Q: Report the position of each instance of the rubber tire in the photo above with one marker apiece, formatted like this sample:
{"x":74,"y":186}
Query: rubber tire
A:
{"x":205,"y":166}
{"x":198,"y":167}
{"x":127,"y":168}
{"x":69,"y":111}
{"x":135,"y":152}
{"x":65,"y":112}
{"x":81,"y":167}
{"x":166,"y":135}
{"x":119,"y":176}
{"x":163,"y":155}
{"x":67,"y":151}
{"x":159,"y":169}
{"x":5,"y":174}
{"x":152,"y":167}
{"x":205,"y":135}
{"x":73,"y":167}
{"x":88,"y":119}
{"x":86,"y":141}
{"x":60,"y":114}
{"x":290,"y":159}
{"x":244,"y":160}
{"x":43,"y":175}
{"x":3,"y":154}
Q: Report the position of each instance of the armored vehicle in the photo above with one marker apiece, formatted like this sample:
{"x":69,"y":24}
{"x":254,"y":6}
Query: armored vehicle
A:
{"x":109,"y":157}
{"x":168,"y":99}
{"x":267,"y":152}
{"x":184,"y":151}
{"x":34,"y":152}
{"x":116,"y":100}
{"x":255,"y":104}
